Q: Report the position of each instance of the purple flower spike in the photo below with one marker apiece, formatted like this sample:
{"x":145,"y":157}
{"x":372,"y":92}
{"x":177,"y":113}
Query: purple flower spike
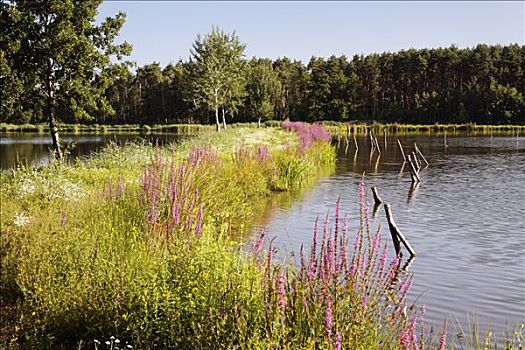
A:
{"x":328,"y":316}
{"x":282,"y":291}
{"x":198,"y":226}
{"x":337,"y":344}
{"x":443,"y":337}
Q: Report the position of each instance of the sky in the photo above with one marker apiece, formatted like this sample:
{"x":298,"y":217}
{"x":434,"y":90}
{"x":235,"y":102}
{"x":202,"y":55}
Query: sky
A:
{"x":163,"y":31}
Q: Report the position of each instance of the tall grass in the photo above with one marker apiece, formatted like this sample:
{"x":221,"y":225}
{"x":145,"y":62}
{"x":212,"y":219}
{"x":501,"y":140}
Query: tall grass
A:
{"x":344,"y":129}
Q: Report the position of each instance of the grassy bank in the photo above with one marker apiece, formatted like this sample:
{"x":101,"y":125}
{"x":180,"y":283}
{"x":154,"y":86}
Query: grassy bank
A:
{"x":344,"y":129}
{"x":143,"y":244}
{"x":188,"y":129}
{"x":337,"y":128}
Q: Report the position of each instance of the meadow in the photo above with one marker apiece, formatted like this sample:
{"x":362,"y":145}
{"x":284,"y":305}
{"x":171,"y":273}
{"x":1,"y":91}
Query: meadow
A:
{"x":144,"y":247}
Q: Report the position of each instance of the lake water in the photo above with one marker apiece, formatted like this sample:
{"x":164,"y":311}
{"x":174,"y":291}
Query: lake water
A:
{"x":33,"y":148}
{"x":466,"y":220}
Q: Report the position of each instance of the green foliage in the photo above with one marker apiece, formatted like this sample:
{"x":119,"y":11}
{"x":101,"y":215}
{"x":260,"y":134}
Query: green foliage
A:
{"x":56,"y":44}
{"x":216,"y":72}
{"x":57,"y":61}
{"x":262,"y":89}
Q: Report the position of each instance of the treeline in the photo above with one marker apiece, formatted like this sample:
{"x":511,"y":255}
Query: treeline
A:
{"x":483,"y":85}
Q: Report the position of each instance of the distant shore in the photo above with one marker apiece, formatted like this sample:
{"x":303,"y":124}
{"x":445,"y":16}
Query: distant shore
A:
{"x":335,"y":127}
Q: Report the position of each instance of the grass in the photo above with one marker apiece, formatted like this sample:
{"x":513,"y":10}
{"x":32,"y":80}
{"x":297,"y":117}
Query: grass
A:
{"x":337,"y":128}
{"x":146,"y":244}
{"x":185,"y":129}
{"x":345,"y":129}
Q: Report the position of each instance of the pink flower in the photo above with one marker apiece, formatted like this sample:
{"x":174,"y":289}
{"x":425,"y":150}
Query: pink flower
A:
{"x":328,"y":316}
{"x":443,"y":338}
{"x":337,"y":344}
{"x":281,"y":291}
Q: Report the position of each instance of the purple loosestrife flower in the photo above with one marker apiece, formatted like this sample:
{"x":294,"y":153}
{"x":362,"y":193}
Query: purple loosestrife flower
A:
{"x":281,"y":291}
{"x":403,"y":290}
{"x":176,"y":217}
{"x":120,"y":187}
{"x":305,"y":303}
{"x":443,"y":337}
{"x":377,"y":241}
{"x":328,"y":315}
{"x":336,"y":233}
{"x":364,"y":301}
{"x":174,"y":194}
{"x":330,"y":256}
{"x":198,"y":226}
{"x":110,"y":187}
{"x":64,"y":219}
{"x":357,"y":242}
{"x":323,"y":274}
{"x":269,"y":258}
{"x":301,"y":254}
{"x":382,"y":260}
{"x":405,"y":286}
{"x":404,"y":339}
{"x":258,"y":244}
{"x":412,"y":331}
{"x":337,"y":209}
{"x":353,"y":269}
{"x":263,"y":153}
{"x":154,"y":215}
{"x":344,"y":246}
{"x":337,"y":344}
{"x":313,"y":257}
{"x":393,"y":269}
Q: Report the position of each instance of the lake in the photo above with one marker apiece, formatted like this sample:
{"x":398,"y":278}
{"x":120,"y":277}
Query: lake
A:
{"x":33,"y":148}
{"x":466,"y":219}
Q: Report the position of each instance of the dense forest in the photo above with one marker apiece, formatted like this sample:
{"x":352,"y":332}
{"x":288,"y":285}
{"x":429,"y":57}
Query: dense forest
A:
{"x":484,"y":85}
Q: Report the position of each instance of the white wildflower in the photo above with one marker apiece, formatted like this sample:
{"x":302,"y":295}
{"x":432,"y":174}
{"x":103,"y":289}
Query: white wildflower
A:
{"x":21,"y":220}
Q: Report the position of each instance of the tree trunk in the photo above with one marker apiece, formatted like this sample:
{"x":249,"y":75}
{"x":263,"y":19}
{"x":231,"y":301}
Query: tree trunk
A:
{"x":218,"y":123}
{"x":223,"y":118}
{"x":57,"y":151}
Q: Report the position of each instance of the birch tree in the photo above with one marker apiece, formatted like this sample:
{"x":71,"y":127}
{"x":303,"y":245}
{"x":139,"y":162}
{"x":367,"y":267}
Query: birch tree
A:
{"x":216,"y":72}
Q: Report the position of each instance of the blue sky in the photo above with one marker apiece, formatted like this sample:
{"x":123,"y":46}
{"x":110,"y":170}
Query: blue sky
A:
{"x":164,"y":31}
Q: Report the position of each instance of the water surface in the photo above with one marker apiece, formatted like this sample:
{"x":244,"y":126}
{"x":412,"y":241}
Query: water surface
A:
{"x":466,"y":219}
{"x":33,"y":148}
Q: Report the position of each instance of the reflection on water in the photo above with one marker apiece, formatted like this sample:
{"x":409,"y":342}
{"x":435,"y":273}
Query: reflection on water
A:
{"x":466,"y":219}
{"x":33,"y":149}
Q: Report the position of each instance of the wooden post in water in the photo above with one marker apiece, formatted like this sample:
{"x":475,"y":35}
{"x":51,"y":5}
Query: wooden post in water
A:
{"x":445,"y":139}
{"x":402,"y":151}
{"x":377,"y":144}
{"x":413,"y":172}
{"x":412,"y":191}
{"x":377,"y":162}
{"x":421,"y":154}
{"x":416,"y":161}
{"x":377,"y":199}
{"x":384,"y":130}
{"x":395,"y":232}
{"x":355,"y":143}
